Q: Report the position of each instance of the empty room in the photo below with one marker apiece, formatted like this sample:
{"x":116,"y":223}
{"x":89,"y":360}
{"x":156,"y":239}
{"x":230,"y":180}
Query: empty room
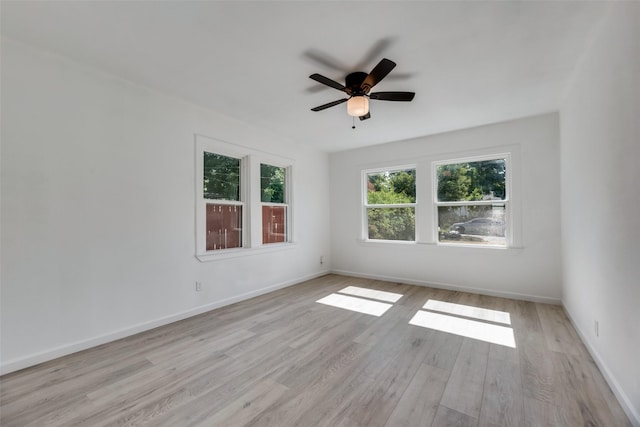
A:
{"x":320,"y":213}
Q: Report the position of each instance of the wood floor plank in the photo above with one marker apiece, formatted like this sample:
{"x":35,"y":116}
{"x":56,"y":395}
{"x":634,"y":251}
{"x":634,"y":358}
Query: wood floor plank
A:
{"x":42,"y":401}
{"x":447,"y":417}
{"x":540,"y":414}
{"x":560,"y":335}
{"x":580,"y":400}
{"x":419,"y":403}
{"x":281,"y":359}
{"x":536,"y":367}
{"x":502,"y":399}
{"x":245,"y":407}
{"x":134,"y":402}
{"x":377,"y":401}
{"x":466,"y":382}
{"x":298,"y":405}
{"x":442,"y":349}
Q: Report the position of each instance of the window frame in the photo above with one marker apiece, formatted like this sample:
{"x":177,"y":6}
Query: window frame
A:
{"x":506,"y":201}
{"x":250,"y":198}
{"x":285,"y":204}
{"x":426,"y":225}
{"x":366,"y":206}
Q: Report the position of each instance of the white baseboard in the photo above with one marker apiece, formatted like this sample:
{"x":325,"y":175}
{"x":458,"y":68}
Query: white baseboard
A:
{"x":625,"y":402}
{"x":63,"y":350}
{"x":452,"y":287}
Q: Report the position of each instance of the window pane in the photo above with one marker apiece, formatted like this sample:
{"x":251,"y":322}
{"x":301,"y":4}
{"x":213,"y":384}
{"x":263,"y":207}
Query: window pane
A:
{"x":274,"y":220}
{"x":472,"y":224}
{"x":484,"y":180}
{"x":224,"y":227}
{"x":386,"y":188}
{"x":272,"y":184}
{"x":391,"y":223}
{"x":221,"y":177}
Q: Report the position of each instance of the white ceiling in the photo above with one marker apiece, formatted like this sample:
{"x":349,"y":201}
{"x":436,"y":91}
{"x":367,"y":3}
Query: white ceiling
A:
{"x":470,"y":63}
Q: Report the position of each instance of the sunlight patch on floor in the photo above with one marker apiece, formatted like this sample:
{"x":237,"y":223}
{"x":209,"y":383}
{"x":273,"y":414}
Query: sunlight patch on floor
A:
{"x":495,"y":334}
{"x":468,"y":311}
{"x":356,"y":304}
{"x":371,"y":293}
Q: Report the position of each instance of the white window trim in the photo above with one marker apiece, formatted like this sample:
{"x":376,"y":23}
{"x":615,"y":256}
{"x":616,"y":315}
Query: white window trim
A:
{"x":507,"y":200}
{"x":250,"y":160}
{"x":366,"y":205}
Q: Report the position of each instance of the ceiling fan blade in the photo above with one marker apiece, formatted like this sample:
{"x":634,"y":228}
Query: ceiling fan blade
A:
{"x":330,"y":104}
{"x":327,"y":81}
{"x":378,"y":73}
{"x":366,"y":116}
{"x":374,"y":52}
{"x":326,"y":60}
{"x":392,"y":96}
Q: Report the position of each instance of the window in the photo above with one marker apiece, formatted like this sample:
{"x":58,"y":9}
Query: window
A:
{"x":274,"y":208}
{"x":472,"y":201}
{"x":243,"y":200}
{"x":221,"y":185}
{"x":390,"y":204}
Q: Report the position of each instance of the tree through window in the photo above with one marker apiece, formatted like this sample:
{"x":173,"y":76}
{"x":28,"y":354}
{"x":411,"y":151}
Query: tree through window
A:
{"x":472,"y":202}
{"x":390,"y":204}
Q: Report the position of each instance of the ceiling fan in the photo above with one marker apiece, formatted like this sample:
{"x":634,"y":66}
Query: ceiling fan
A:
{"x":358,"y":85}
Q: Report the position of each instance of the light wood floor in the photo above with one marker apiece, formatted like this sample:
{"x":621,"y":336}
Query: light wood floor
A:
{"x":284,"y":360}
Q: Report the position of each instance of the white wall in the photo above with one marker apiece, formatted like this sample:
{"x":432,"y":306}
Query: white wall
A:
{"x":601,"y":201}
{"x":533,"y":271}
{"x":98,"y":218}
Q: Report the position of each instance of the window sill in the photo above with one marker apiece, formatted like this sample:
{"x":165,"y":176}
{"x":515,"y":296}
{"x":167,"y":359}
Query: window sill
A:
{"x":386,"y":242}
{"x":242,"y":252}
{"x":442,"y":246}
{"x":505,"y":249}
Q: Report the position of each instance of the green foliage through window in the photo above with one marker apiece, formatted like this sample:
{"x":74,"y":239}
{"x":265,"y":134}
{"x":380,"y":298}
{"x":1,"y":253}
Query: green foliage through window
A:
{"x":392,"y":223}
{"x":221,"y":177}
{"x":272,"y":184}
{"x":391,"y":188}
{"x":482,"y":180}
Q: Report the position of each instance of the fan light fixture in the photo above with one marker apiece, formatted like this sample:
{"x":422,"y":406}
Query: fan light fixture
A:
{"x":358,"y":106}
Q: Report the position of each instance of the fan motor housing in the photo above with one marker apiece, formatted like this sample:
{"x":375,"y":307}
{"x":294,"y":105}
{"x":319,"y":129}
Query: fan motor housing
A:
{"x":354,"y":81}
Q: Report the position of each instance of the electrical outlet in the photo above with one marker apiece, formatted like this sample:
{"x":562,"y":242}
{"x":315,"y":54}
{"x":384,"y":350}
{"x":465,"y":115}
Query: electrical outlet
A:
{"x":596,"y":327}
{"x":198,"y":286}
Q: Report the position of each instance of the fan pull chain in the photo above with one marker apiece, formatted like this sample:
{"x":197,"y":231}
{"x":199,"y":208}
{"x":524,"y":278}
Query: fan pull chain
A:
{"x":353,"y":119}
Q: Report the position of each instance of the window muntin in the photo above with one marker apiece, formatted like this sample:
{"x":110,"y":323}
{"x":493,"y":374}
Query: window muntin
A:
{"x":472,"y":202}
{"x":390,"y":204}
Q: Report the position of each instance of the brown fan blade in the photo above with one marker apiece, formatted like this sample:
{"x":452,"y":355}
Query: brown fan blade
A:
{"x":327,"y":81}
{"x":378,"y":73}
{"x":330,"y":104}
{"x":392,"y":96}
{"x":366,"y":116}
